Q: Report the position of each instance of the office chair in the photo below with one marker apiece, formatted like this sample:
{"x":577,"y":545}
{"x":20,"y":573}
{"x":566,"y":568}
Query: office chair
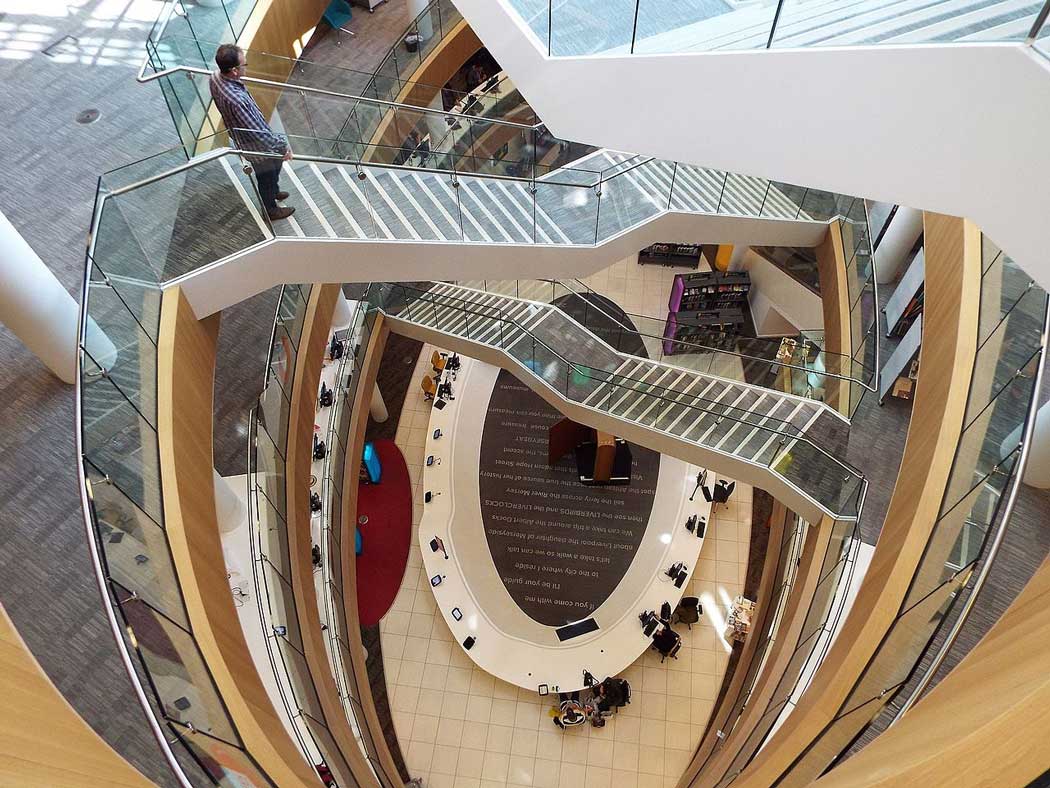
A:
{"x":667,"y":642}
{"x":438,"y":362}
{"x":668,"y":645}
{"x":689,"y":611}
{"x":723,"y":490}
{"x":429,"y":387}
{"x":673,"y":653}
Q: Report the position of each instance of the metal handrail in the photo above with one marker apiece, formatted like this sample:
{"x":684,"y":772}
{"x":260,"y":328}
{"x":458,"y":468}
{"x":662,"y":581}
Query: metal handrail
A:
{"x":352,"y":97}
{"x":1037,"y":24}
{"x":587,"y":371}
{"x":993,"y":549}
{"x":701,"y":347}
{"x":227,"y":151}
{"x":115,"y":627}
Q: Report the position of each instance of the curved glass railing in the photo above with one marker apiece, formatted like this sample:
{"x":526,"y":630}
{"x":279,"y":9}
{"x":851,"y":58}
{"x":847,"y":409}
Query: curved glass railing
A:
{"x":976,"y":511}
{"x":266,"y":481}
{"x":1012,"y":335}
{"x":823,"y":613}
{"x":797,"y":367}
{"x":568,"y":27}
{"x":336,"y":532}
{"x":227,"y":216}
{"x":271,"y":549}
{"x":184,"y":38}
{"x":120,"y":477}
{"x":757,"y":438}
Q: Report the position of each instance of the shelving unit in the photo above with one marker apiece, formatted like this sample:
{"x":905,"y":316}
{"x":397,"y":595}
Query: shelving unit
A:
{"x":704,"y":306}
{"x":676,"y":255}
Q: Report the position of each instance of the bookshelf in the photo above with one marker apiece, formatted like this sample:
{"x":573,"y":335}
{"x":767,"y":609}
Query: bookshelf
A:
{"x":706,"y":305}
{"x":671,"y":255}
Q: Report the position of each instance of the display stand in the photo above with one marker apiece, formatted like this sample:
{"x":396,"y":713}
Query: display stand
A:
{"x":675,"y":255}
{"x":705,"y":308}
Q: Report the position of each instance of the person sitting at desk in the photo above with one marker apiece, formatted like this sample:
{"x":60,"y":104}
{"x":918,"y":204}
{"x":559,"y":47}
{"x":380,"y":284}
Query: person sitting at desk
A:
{"x":611,"y":694}
{"x":475,"y":76}
{"x":570,"y":711}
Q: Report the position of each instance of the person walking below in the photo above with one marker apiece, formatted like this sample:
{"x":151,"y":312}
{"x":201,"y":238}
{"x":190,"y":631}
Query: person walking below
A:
{"x":249,"y":128}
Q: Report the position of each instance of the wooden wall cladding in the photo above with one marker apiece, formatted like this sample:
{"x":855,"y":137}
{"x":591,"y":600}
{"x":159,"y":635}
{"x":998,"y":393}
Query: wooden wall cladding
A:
{"x":946,"y":363}
{"x":185,"y":383}
{"x":302,"y":413}
{"x":985,"y":724}
{"x":43,"y":741}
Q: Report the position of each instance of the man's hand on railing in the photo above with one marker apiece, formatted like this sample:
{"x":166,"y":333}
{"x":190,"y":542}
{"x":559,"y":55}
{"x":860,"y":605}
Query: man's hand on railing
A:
{"x":288,"y":154}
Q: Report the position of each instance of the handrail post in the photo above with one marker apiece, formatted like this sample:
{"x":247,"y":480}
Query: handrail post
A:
{"x":634,"y":29}
{"x":1037,"y":25}
{"x":776,"y":21}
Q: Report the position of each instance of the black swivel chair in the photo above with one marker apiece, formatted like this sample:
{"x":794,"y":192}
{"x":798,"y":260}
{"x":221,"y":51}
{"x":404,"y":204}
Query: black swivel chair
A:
{"x":688,"y":611}
{"x":667,"y":642}
{"x":723,"y":490}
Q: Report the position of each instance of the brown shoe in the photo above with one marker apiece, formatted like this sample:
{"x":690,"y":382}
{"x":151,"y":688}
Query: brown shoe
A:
{"x":282,"y":196}
{"x":280,"y":213}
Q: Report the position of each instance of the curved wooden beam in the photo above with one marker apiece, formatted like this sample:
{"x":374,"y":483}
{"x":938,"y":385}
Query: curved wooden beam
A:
{"x":425,"y":83}
{"x":988,"y":719}
{"x":733,"y":699}
{"x":366,"y":374}
{"x":43,"y":741}
{"x":834,"y":296}
{"x":953,"y":273}
{"x":185,"y":382}
{"x":780,"y":666}
{"x":299,"y":458}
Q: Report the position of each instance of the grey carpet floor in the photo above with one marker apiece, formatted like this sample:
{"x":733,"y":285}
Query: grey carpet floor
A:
{"x":52,"y":166}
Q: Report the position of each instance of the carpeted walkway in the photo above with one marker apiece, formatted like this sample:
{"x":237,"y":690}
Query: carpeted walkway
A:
{"x":386,"y":535}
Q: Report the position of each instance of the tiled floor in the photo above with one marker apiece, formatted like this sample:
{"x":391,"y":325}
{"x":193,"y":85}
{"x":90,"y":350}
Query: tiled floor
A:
{"x":459,"y":726}
{"x":638,"y":289}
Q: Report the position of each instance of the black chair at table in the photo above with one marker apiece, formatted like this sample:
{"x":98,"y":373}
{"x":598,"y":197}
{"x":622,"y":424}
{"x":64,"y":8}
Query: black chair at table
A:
{"x":688,"y":611}
{"x":667,"y":642}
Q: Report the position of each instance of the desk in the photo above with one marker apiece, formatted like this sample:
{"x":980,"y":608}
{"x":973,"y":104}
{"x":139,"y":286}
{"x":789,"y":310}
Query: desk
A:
{"x":509,"y":644}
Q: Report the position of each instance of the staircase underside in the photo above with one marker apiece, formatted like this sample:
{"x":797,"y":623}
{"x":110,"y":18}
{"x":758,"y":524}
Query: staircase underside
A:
{"x":957,"y":128}
{"x":738,"y":429}
{"x":403,"y":225}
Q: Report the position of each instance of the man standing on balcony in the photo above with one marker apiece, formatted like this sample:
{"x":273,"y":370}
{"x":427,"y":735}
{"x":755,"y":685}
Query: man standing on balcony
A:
{"x":249,"y":128}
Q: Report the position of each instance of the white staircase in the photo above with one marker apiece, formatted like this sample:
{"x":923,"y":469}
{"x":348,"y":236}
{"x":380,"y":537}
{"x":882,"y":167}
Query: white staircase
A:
{"x":698,"y":417}
{"x":334,"y":201}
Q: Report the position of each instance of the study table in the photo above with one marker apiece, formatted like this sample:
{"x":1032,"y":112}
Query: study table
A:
{"x":506,"y":642}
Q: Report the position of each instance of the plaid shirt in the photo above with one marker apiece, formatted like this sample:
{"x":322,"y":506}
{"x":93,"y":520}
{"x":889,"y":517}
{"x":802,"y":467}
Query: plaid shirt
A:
{"x":243,"y":119}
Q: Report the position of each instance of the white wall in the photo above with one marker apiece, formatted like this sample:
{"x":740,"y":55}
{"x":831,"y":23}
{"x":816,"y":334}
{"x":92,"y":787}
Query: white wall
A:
{"x":771,"y":287}
{"x":962,"y":129}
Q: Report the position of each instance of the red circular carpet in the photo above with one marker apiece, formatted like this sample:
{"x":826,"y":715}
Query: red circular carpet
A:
{"x":386,"y":537}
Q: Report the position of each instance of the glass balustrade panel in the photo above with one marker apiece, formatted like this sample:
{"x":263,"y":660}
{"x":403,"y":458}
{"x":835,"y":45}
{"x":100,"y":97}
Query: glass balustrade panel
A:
{"x":697,"y":25}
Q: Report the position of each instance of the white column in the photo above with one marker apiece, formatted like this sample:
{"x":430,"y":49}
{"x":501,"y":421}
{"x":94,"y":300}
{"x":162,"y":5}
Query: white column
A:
{"x":39,"y":311}
{"x":903,"y":231}
{"x":342,"y":313}
{"x":426,"y":27}
{"x":1037,"y":471}
{"x":227,"y":505}
{"x":378,"y":407}
{"x":738,"y":260}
